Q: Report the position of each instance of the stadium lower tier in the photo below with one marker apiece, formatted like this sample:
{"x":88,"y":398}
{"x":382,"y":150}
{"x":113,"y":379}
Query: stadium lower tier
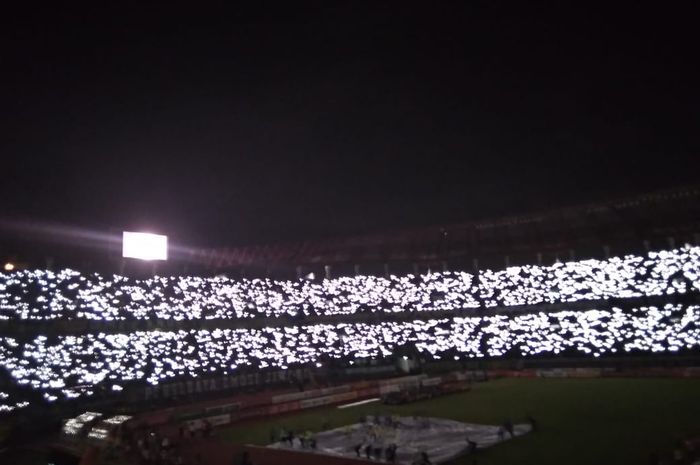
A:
{"x":68,"y":367}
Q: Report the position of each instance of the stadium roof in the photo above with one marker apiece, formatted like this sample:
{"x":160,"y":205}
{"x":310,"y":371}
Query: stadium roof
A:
{"x":624,"y":224}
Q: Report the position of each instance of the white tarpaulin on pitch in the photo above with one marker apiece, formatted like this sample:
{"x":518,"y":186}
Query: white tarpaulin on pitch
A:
{"x":441,"y":439}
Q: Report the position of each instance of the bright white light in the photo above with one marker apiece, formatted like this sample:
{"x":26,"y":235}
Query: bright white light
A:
{"x":362,"y":402}
{"x":144,"y":246}
{"x":9,"y":266}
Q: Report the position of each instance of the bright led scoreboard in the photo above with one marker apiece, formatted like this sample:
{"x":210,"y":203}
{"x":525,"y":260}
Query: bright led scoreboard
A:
{"x":144,"y":246}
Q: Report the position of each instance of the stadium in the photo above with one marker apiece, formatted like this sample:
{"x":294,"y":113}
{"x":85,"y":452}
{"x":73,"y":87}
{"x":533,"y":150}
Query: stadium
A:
{"x":570,"y":358}
{"x":344,"y":233}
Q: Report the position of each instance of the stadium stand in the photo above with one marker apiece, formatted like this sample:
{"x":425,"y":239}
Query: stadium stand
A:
{"x":58,"y":367}
{"x":68,"y":294}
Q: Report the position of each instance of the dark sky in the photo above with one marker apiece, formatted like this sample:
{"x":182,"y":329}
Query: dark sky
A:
{"x":259,"y":123}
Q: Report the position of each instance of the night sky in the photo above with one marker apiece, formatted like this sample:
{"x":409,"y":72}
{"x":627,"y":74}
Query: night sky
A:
{"x":262,"y":124}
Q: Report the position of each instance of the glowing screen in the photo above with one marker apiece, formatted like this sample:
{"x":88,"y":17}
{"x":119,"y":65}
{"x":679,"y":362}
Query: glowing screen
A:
{"x":144,"y":246}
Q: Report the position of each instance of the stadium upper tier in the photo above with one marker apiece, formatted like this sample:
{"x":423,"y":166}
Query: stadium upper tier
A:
{"x":68,"y":294}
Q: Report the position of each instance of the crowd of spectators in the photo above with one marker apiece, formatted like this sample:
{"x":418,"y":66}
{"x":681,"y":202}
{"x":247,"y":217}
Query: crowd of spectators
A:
{"x":63,"y":366}
{"x":69,"y":366}
{"x":68,"y":294}
{"x":657,"y":273}
{"x":7,"y":405}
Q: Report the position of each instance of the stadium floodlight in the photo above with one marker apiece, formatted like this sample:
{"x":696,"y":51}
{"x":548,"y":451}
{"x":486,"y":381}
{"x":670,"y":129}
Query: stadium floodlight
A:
{"x":144,"y":246}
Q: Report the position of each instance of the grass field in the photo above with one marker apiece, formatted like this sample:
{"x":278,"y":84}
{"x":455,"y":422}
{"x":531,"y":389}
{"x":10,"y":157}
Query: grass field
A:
{"x":581,"y":421}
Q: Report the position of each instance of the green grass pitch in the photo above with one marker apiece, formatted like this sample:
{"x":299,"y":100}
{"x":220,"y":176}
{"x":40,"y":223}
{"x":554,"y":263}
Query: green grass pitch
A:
{"x":580,"y":421}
